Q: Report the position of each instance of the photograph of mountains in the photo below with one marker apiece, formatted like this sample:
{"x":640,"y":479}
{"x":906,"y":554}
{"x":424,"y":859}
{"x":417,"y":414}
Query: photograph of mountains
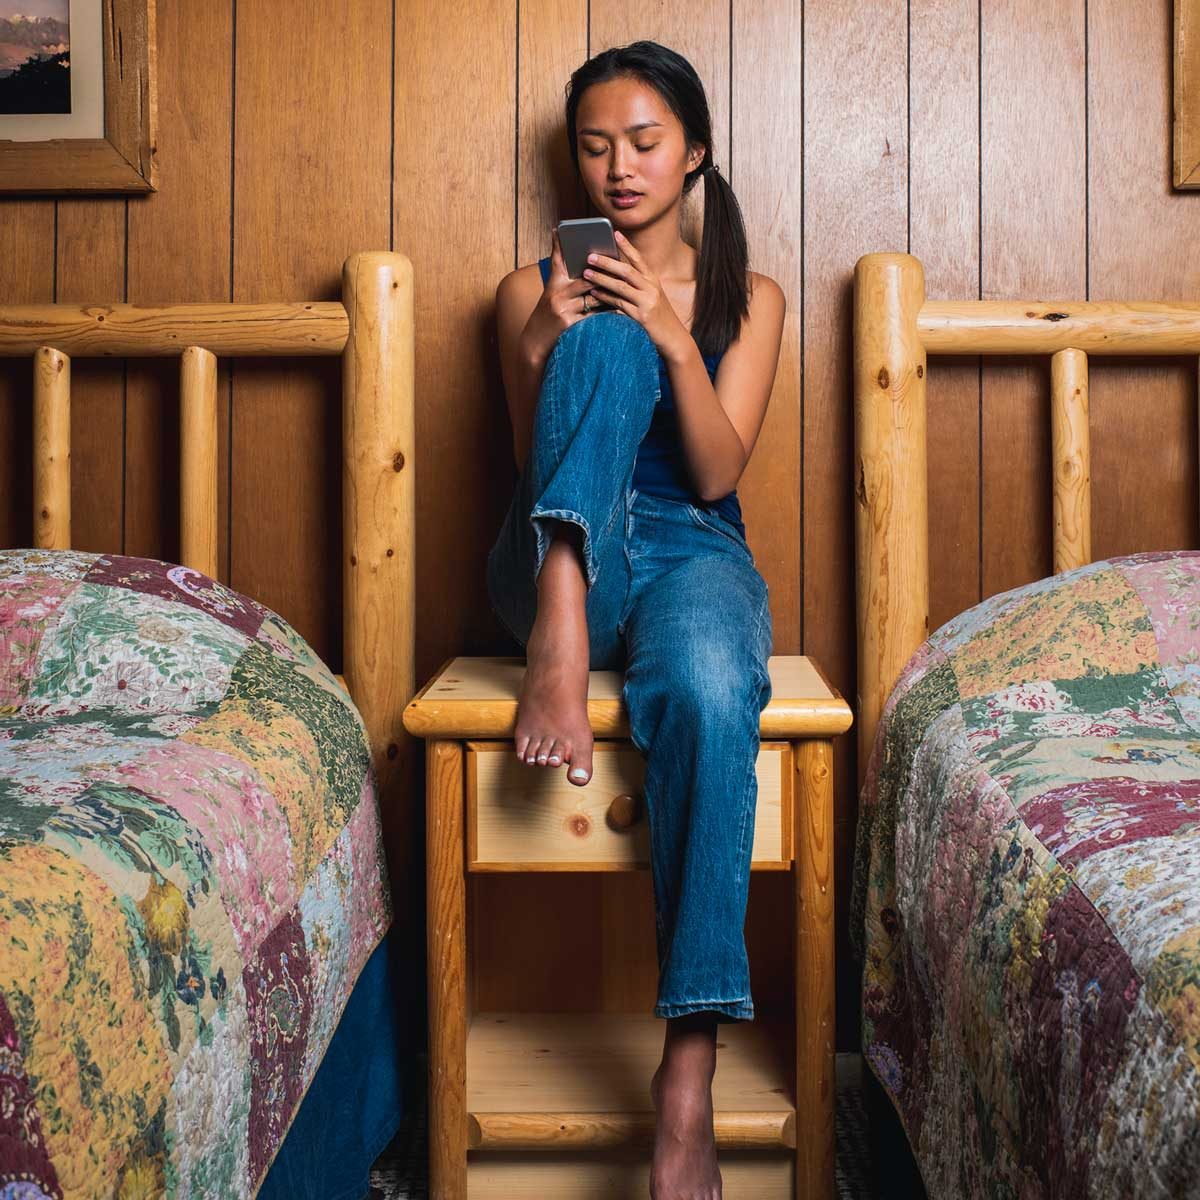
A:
{"x":35,"y":57}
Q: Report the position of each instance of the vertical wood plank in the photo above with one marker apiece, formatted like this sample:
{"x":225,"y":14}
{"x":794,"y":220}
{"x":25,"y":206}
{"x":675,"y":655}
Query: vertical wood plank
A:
{"x":855,"y":202}
{"x":1142,"y":248}
{"x":179,"y":249}
{"x":1034,"y":244}
{"x":944,"y":228}
{"x":766,"y":169}
{"x":312,"y":166}
{"x":26,"y":277}
{"x":454,"y":218}
{"x":90,"y":257}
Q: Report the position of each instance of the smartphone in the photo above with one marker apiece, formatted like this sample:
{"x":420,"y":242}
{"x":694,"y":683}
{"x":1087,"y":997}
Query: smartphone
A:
{"x":587,"y":235}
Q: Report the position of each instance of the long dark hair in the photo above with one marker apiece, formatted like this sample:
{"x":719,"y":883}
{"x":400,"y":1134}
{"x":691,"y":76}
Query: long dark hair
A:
{"x":722,"y":293}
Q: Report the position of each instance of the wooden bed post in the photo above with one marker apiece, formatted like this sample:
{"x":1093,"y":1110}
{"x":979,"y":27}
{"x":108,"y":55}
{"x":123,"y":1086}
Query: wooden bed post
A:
{"x":378,"y":498}
{"x":891,"y":514}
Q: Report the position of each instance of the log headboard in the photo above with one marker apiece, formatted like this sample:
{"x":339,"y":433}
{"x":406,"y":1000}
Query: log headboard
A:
{"x":371,"y":327}
{"x":895,"y":328}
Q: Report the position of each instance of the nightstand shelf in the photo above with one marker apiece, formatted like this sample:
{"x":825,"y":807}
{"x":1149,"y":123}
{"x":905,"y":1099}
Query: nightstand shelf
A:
{"x":542,"y":972}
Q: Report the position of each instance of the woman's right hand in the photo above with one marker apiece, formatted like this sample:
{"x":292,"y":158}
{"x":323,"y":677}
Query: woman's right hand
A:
{"x":560,"y":305}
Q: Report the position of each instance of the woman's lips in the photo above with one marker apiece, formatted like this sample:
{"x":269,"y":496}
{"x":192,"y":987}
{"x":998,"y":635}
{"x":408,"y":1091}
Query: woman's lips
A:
{"x":625,"y":201}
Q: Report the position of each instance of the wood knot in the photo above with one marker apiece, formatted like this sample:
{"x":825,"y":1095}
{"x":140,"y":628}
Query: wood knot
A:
{"x":392,"y":750}
{"x":884,"y":378}
{"x":354,"y":560}
{"x":1055,"y":316}
{"x":578,"y":824}
{"x":390,"y":552}
{"x":45,"y":514}
{"x":397,"y":461}
{"x":920,"y":371}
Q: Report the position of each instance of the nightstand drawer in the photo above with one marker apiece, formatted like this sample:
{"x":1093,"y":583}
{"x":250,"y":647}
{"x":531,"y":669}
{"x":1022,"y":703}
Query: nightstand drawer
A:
{"x":523,"y":818}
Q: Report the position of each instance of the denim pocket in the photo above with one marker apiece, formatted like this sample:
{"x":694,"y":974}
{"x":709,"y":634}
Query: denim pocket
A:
{"x":716,"y":524}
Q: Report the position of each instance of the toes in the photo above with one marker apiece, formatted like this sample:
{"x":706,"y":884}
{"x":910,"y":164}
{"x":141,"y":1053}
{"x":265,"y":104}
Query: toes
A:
{"x":581,"y":766}
{"x":520,"y":742}
{"x":554,"y":755}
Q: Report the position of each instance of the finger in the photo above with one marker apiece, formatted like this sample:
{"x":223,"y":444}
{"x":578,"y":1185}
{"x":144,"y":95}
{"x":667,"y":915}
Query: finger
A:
{"x":557,"y":265}
{"x":613,"y":265}
{"x":629,"y":249}
{"x":609,"y":287}
{"x":611,"y":300}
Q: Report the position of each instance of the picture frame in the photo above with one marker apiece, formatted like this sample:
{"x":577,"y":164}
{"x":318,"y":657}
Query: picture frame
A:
{"x":1187,"y":94}
{"x":112,"y":61}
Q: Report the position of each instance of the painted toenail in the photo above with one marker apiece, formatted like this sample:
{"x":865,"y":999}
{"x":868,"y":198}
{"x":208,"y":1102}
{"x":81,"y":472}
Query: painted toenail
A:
{"x":578,"y":773}
{"x":554,"y":759}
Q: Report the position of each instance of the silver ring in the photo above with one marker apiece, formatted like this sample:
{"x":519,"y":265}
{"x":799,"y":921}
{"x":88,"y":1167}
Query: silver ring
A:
{"x":587,"y":296}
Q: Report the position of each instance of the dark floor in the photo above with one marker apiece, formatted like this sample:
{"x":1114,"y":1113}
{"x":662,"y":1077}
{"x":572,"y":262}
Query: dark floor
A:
{"x":401,"y":1172}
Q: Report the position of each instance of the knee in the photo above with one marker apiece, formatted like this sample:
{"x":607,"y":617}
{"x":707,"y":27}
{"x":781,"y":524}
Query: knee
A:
{"x":616,"y":331}
{"x":711,"y":679}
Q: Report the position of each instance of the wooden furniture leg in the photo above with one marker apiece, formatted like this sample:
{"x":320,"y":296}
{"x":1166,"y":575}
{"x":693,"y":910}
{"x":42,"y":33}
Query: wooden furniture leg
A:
{"x":446,"y":900}
{"x":814,"y":969}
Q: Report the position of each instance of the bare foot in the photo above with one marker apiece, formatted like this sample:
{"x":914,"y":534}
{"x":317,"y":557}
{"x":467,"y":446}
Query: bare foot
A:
{"x":684,"y":1166}
{"x":552,"y":721}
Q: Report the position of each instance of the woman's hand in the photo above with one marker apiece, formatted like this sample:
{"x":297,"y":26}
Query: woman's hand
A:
{"x":636,"y":291}
{"x":560,"y":305}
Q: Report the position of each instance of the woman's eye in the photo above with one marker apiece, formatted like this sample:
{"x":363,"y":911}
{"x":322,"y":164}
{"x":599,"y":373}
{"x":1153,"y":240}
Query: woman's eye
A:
{"x":647,"y":147}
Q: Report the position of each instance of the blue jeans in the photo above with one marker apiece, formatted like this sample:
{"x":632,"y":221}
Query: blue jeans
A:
{"x":675,"y":600}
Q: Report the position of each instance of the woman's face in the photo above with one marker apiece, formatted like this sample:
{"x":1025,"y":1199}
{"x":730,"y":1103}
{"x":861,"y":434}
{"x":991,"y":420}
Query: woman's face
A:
{"x":629,"y":139}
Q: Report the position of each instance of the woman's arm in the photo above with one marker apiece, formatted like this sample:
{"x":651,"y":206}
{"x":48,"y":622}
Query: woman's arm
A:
{"x":522,"y":361}
{"x":718,"y":426}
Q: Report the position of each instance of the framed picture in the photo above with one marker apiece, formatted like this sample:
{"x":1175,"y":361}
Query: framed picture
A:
{"x":77,"y":96}
{"x":1187,"y":93}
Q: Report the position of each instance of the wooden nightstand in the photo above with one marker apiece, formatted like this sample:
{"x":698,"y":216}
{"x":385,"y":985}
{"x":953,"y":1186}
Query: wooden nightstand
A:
{"x":542,"y":1039}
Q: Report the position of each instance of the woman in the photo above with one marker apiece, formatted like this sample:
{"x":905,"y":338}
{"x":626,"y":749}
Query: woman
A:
{"x":636,"y":395}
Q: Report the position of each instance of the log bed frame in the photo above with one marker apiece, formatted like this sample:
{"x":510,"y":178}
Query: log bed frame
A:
{"x":895,"y":327}
{"x":371,"y":327}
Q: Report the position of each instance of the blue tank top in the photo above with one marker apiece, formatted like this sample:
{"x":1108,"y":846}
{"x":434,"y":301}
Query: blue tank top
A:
{"x":660,"y":468}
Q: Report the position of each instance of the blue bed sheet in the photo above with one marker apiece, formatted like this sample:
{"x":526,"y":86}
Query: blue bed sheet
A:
{"x":358,"y":1097}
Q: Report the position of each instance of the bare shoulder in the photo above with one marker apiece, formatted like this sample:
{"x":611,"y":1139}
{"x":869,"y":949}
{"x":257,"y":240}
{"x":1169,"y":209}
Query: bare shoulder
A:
{"x":763,"y":324}
{"x":517,"y":295}
{"x":521,"y":282}
{"x":765,"y":294}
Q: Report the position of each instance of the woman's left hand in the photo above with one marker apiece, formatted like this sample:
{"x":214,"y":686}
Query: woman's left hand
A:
{"x":631,"y":288}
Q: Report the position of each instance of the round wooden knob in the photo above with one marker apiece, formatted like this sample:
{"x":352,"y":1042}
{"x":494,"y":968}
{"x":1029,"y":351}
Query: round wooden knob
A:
{"x":624,"y":811}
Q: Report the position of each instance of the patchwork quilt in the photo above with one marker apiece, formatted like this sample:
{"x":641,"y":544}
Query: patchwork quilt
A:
{"x":191,"y":878}
{"x":1027,"y":889}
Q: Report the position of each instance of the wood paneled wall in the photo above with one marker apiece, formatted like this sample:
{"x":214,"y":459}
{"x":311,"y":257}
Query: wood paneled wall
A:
{"x":1018,"y":148}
